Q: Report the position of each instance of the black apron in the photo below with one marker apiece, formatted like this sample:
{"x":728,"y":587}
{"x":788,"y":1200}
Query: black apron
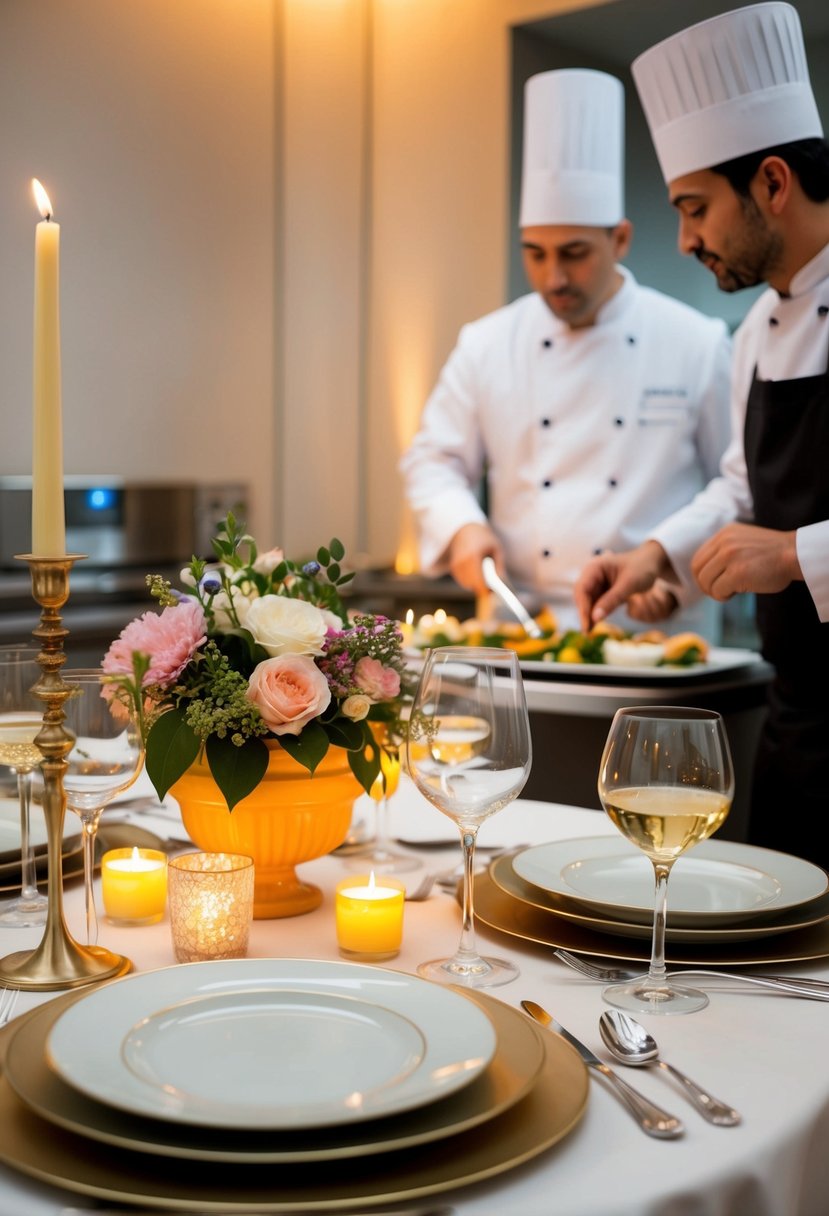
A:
{"x":787,"y":457}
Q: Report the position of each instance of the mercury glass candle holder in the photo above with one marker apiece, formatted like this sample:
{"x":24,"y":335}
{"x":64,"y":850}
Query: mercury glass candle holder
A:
{"x":211,"y":905}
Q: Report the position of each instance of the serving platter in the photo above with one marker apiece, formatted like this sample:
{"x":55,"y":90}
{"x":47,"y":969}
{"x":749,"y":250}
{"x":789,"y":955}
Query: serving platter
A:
{"x":720,"y":659}
{"x":518,"y":1058}
{"x":292,"y":1043}
{"x":550,"y":1110}
{"x":717,"y":883}
{"x":503,"y":875}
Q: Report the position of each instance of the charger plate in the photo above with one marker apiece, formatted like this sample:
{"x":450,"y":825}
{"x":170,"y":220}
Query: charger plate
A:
{"x":72,"y":866}
{"x":518,"y":1058}
{"x":718,"y":882}
{"x":497,"y":910}
{"x":503,"y":875}
{"x":291,"y":1043}
{"x":550,"y":1110}
{"x":10,"y":831}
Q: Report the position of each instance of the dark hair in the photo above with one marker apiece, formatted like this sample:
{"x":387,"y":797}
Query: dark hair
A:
{"x":808,"y":158}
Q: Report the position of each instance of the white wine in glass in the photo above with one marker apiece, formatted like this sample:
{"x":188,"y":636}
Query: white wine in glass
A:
{"x":469,"y":753}
{"x":666,"y":781}
{"x":21,"y":720}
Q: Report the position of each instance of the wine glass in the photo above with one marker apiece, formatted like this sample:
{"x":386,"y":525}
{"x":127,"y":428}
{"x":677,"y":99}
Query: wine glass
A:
{"x":105,"y":759}
{"x":666,"y":781}
{"x":378,"y":852}
{"x":469,"y":752}
{"x":21,"y":718}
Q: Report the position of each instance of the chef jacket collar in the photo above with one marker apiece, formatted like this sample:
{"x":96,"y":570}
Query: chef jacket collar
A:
{"x":811,"y":274}
{"x":610,"y":311}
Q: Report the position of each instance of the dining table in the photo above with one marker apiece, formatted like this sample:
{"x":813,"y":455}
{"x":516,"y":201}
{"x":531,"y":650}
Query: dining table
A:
{"x":763,"y":1053}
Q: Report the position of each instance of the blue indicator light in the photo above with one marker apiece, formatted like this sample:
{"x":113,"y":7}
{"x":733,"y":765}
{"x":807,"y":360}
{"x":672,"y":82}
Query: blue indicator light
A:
{"x":100,"y":500}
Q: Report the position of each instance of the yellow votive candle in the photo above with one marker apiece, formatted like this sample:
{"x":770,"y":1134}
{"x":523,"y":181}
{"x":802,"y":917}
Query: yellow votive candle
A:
{"x":369,"y":917}
{"x":134,"y":885}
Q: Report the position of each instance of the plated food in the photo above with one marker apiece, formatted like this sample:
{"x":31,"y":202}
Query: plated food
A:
{"x":605,"y":644}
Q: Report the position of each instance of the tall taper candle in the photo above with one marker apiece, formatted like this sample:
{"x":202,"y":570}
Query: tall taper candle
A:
{"x":48,"y":523}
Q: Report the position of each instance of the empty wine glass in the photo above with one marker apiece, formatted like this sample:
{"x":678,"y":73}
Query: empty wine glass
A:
{"x":666,"y":781}
{"x":378,"y":851}
{"x":106,"y":758}
{"x":469,"y":752}
{"x":21,"y":718}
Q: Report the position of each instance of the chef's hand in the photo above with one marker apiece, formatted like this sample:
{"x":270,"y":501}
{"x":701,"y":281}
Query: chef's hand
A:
{"x":467,"y":549}
{"x":655,"y":605}
{"x":609,"y":580}
{"x":743,"y":557}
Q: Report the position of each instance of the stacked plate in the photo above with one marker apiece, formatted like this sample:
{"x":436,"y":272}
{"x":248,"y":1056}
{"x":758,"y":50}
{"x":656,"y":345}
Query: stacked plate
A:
{"x":10,"y":846}
{"x":727,"y":903}
{"x":185,"y":1087}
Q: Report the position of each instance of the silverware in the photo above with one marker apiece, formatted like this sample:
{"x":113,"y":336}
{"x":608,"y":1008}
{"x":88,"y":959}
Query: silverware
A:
{"x":816,"y":990}
{"x":651,"y":1118}
{"x":495,"y":583}
{"x":631,"y":1044}
{"x":423,"y":890}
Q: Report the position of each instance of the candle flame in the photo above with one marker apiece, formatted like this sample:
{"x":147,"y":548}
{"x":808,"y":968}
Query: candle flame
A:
{"x":136,"y":856}
{"x":410,"y":616}
{"x":371,"y":882}
{"x":42,"y":199}
{"x":440,"y":616}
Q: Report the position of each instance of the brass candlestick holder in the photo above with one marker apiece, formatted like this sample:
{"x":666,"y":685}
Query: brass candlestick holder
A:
{"x":59,"y":961}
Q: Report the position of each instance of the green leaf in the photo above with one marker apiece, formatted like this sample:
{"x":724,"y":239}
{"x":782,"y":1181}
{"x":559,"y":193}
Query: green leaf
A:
{"x":323,"y":556}
{"x":309,"y":747}
{"x":334,"y":572}
{"x":236,"y":770}
{"x":171,"y":749}
{"x":337,"y":549}
{"x":344,"y":733}
{"x":365,"y":764}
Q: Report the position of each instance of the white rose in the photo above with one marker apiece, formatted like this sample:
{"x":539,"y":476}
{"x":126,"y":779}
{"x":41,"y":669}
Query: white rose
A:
{"x":286,"y":626}
{"x":221,"y":609}
{"x":356,"y":707}
{"x":266,"y":563}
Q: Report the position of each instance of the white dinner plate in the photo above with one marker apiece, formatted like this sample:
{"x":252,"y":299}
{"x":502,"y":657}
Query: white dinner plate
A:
{"x":270,"y":1043}
{"x":10,"y":828}
{"x":719,"y":882}
{"x":720,"y":658}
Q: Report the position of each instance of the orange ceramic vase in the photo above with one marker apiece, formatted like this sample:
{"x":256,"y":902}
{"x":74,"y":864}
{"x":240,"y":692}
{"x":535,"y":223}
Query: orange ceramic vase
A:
{"x":289,"y":818}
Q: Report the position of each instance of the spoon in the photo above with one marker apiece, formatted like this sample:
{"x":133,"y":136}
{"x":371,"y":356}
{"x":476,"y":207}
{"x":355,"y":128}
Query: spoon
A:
{"x":630,"y":1043}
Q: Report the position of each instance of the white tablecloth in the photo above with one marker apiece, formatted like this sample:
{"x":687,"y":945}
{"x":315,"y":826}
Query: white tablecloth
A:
{"x":764,"y":1054}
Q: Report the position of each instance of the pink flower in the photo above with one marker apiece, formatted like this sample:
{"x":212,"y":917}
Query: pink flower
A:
{"x":170,"y":638}
{"x":378,"y":682}
{"x":288,"y":691}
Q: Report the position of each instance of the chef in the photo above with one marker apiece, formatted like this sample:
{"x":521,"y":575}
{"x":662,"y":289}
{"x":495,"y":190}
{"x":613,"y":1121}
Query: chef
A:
{"x":740,"y":142}
{"x":593,"y":406}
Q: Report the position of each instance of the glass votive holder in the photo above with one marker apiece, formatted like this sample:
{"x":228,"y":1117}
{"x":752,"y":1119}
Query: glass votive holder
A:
{"x":134,"y":885}
{"x":369,"y":915}
{"x":211,"y":905}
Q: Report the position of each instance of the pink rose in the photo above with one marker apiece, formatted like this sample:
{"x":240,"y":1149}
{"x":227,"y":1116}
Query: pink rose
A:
{"x":170,"y":638}
{"x":288,"y":691}
{"x":378,"y":682}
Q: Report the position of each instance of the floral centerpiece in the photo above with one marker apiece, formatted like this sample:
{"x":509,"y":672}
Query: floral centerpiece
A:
{"x":256,"y":648}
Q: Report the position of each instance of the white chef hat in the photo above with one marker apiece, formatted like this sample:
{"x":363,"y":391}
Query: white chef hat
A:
{"x":573,"y":149}
{"x":731,"y":85}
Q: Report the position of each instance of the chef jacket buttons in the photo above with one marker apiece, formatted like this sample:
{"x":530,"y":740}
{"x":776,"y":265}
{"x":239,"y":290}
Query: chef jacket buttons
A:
{"x":822,"y":310}
{"x":631,"y":341}
{"x":773,"y":321}
{"x":546,"y":553}
{"x":546,"y":483}
{"x":547,"y":343}
{"x":612,"y":482}
{"x":598,"y":552}
{"x":546,"y":421}
{"x":618,"y":422}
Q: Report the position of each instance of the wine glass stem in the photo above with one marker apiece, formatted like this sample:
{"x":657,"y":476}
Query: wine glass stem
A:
{"x":381,"y":828}
{"x":28,"y":886}
{"x":466,"y":946}
{"x":90,"y":829}
{"x":657,"y":970}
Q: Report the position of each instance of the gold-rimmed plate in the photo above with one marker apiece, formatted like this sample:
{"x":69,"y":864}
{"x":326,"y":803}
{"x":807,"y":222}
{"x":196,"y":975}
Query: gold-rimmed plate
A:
{"x":498,"y":910}
{"x":72,"y":866}
{"x":550,"y":1110}
{"x":504,"y":876}
{"x":517,"y":1061}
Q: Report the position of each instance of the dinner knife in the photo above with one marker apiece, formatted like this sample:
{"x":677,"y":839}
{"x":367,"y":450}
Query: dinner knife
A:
{"x":650,"y":1117}
{"x":508,"y":596}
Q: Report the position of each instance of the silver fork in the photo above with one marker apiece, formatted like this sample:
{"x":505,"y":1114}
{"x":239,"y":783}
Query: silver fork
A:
{"x":8,"y":1000}
{"x":423,"y":890}
{"x":817,"y":990}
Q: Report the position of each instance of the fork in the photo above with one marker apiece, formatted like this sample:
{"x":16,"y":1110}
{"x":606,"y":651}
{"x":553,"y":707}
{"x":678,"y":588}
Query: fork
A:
{"x":817,"y":990}
{"x":8,"y":1000}
{"x":423,"y":890}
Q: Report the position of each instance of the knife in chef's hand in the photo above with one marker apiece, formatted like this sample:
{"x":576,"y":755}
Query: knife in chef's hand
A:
{"x":651,"y":1118}
{"x":495,"y":583}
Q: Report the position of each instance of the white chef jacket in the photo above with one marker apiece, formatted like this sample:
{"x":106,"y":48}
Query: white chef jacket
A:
{"x":589,"y":437}
{"x":785,"y":338}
